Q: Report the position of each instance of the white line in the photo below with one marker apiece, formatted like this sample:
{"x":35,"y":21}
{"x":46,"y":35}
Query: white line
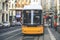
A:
{"x":9,"y":32}
{"x":12,"y":36}
{"x":51,"y":35}
{"x":21,"y":38}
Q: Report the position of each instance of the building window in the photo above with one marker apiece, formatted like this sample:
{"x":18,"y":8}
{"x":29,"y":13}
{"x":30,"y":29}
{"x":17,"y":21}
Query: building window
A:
{"x":9,"y":13}
{"x":12,"y":5}
{"x":15,"y":1}
{"x":6,"y":17}
{"x":3,"y":5}
{"x":6,"y":6}
{"x":17,"y":4}
{"x":9,"y":5}
{"x":3,"y":17}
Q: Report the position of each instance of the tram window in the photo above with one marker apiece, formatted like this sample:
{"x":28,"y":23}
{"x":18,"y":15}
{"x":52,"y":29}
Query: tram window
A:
{"x":37,"y":17}
{"x":27,"y":17}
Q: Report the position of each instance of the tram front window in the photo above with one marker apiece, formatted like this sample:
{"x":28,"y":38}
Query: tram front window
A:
{"x":31,"y":18}
{"x":26,"y":17}
{"x":37,"y":17}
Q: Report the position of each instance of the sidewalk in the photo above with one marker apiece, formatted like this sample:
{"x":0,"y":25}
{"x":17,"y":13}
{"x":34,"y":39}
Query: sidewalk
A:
{"x":55,"y":33}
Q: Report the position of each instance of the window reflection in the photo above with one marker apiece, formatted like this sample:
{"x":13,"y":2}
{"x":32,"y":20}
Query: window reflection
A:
{"x":36,"y":17}
{"x":27,"y":17}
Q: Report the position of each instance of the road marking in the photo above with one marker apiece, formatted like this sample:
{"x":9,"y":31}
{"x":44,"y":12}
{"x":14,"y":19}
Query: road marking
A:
{"x":10,"y":32}
{"x":21,"y":38}
{"x":51,"y":35}
{"x":12,"y":36}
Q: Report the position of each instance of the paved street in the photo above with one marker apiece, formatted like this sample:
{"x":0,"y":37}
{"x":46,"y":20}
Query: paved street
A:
{"x":14,"y":33}
{"x":30,"y":13}
{"x":8,"y":29}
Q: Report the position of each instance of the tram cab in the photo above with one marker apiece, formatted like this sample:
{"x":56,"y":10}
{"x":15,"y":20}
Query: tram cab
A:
{"x":32,"y":20}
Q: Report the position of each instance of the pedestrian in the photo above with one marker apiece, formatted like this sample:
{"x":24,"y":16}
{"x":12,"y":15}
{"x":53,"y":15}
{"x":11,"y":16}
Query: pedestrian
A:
{"x":55,"y":26}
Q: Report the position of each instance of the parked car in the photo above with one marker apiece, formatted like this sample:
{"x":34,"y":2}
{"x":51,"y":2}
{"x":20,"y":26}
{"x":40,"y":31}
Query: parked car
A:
{"x":6,"y":24}
{"x":18,"y":24}
{"x":0,"y":25}
{"x":13,"y":23}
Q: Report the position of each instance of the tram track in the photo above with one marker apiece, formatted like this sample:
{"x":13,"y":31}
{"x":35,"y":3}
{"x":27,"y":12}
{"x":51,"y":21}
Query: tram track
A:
{"x":20,"y":36}
{"x":41,"y":37}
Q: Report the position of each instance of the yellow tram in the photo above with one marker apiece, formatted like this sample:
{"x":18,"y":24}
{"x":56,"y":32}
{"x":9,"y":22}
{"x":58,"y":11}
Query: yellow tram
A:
{"x":32,"y":20}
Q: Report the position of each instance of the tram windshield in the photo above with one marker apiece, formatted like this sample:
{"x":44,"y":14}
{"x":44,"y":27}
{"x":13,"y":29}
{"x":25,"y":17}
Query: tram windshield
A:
{"x":32,"y":17}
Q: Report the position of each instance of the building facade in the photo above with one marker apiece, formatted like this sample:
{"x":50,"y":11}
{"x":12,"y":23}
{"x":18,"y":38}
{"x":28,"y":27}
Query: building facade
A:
{"x":0,"y":11}
{"x":5,"y":13}
{"x":16,"y":5}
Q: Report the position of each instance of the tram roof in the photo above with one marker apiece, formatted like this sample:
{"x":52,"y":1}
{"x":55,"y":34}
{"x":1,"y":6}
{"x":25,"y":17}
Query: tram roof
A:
{"x":33,"y":7}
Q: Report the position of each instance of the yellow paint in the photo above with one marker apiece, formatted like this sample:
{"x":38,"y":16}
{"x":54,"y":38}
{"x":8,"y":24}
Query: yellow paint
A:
{"x":32,"y":30}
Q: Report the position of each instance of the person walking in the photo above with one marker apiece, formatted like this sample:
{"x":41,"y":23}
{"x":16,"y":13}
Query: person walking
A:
{"x":55,"y":26}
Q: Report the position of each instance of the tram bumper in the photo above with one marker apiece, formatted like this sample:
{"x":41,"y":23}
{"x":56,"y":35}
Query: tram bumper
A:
{"x":32,"y":30}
